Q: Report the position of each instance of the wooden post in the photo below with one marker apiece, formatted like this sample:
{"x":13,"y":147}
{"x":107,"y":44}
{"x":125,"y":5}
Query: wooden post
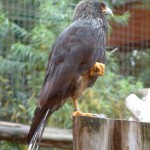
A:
{"x":91,"y":133}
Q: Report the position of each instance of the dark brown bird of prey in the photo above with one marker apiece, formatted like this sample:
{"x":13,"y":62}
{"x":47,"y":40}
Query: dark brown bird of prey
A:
{"x":76,"y":60}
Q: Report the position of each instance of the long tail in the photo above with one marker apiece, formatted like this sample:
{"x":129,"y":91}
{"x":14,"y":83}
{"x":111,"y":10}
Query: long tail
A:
{"x":37,"y":127}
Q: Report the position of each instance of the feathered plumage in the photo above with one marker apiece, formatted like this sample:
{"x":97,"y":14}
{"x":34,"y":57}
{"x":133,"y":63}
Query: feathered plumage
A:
{"x":73,"y":54}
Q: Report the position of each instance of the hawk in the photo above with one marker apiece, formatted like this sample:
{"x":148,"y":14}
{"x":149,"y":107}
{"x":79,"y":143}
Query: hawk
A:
{"x":76,"y":60}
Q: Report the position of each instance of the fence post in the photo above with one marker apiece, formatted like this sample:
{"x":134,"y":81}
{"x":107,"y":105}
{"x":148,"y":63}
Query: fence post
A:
{"x":91,"y":133}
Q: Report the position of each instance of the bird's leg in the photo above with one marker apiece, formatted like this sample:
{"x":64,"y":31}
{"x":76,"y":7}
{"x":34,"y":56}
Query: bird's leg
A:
{"x":97,"y":69}
{"x":78,"y":112}
{"x":76,"y":104}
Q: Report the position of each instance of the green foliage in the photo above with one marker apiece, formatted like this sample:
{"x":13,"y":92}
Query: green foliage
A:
{"x":24,"y":53}
{"x":123,"y":20}
{"x":24,"y":57}
{"x":141,"y":59}
{"x":9,"y":146}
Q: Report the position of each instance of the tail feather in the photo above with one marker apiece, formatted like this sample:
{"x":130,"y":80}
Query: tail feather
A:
{"x":38,"y":124}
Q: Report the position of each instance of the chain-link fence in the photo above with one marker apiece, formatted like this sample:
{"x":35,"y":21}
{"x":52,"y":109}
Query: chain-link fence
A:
{"x":25,"y":42}
{"x":28,"y":29}
{"x":26,"y":37}
{"x":133,"y":39}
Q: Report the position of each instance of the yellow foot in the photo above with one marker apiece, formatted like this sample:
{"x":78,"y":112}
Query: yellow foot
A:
{"x":80,"y":113}
{"x":97,"y":69}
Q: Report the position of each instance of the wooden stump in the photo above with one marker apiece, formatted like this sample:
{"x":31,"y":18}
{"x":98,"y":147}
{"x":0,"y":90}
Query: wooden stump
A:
{"x":91,"y":133}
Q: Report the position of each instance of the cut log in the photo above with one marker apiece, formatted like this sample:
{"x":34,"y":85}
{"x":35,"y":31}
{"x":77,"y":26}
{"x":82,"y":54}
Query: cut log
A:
{"x":52,"y":137}
{"x":91,"y":133}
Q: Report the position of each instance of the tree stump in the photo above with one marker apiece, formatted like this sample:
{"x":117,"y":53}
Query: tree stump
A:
{"x":92,"y":133}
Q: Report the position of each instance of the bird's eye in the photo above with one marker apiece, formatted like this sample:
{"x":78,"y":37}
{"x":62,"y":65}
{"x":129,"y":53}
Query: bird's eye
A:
{"x":102,"y":5}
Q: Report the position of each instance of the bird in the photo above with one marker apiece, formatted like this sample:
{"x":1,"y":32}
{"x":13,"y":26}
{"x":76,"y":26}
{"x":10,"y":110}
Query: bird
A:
{"x":76,"y":60}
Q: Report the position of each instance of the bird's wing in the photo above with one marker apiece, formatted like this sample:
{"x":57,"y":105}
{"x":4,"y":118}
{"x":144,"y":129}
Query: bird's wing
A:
{"x":74,"y":52}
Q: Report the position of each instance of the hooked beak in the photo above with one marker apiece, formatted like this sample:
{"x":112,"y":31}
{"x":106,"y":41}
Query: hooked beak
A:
{"x":108,"y":11}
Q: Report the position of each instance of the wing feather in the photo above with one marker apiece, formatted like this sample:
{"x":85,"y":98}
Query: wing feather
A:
{"x":74,"y":52}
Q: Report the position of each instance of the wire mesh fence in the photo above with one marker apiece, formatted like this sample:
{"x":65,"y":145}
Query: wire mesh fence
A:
{"x":17,"y":18}
{"x":25,"y":44}
{"x":134,"y":36}
{"x":133,"y":39}
{"x":28,"y":29}
{"x":26,"y":37}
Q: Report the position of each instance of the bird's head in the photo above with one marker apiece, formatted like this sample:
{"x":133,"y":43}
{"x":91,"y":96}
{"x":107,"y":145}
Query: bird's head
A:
{"x":91,"y":9}
{"x":105,"y":9}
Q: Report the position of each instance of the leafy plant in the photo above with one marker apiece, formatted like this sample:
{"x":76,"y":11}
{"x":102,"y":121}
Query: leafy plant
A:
{"x":26,"y":39}
{"x":140,"y":62}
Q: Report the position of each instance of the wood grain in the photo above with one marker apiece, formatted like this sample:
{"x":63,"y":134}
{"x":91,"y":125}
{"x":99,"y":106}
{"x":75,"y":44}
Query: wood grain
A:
{"x":91,"y":133}
{"x":52,"y":137}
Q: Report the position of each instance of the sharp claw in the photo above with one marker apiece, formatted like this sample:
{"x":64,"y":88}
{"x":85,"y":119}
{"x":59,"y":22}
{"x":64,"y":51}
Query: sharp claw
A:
{"x":98,"y":69}
{"x":80,"y":113}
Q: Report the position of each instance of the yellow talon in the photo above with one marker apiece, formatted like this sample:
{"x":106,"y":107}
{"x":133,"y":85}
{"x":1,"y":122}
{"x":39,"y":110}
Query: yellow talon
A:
{"x":80,"y":113}
{"x":97,"y":69}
